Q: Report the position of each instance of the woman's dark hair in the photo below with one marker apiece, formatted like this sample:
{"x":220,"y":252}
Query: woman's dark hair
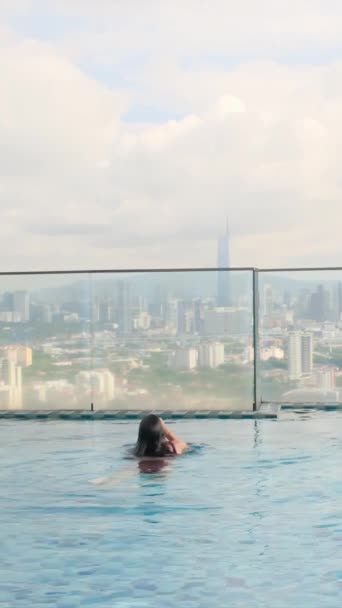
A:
{"x":151,"y":438}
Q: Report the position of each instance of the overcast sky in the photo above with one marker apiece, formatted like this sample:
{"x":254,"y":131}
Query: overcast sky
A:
{"x":129,"y":130}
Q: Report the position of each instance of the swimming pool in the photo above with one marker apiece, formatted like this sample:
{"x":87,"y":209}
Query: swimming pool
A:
{"x":252,"y":519}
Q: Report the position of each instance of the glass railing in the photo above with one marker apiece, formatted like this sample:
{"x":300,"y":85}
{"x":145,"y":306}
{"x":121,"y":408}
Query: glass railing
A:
{"x":45,"y":341}
{"x":300,"y":336}
{"x":172,"y":340}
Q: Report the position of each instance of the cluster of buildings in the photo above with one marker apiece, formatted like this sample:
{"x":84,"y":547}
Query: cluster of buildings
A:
{"x":207,"y":355}
{"x":12,"y":361}
{"x":87,"y":387}
{"x":321,"y":304}
{"x":99,"y":383}
{"x":301,"y":364}
{"x":20,"y":307}
{"x":172,"y":316}
{"x":15,"y":307}
{"x":302,"y":328}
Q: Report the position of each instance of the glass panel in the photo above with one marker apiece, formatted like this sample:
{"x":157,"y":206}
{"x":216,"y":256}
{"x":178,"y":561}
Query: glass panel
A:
{"x":301,"y":336}
{"x":45,"y":342}
{"x":173,"y":340}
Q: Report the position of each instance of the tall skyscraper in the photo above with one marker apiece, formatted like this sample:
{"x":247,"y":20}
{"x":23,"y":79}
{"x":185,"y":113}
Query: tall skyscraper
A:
{"x":124,"y":308}
{"x":337,"y":301}
{"x":7,"y":301}
{"x":300,"y":354}
{"x":320,"y":304}
{"x":158,"y":302}
{"x":184,"y":359}
{"x":197,"y":314}
{"x":268,"y":300}
{"x":307,"y":353}
{"x":105,"y":311}
{"x":224,"y":295}
{"x":181,"y":317}
{"x":9,"y":372}
{"x":21,"y":305}
{"x":12,"y":377}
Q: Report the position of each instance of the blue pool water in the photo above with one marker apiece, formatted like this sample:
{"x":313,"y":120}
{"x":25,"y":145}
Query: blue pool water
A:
{"x":252,"y":519}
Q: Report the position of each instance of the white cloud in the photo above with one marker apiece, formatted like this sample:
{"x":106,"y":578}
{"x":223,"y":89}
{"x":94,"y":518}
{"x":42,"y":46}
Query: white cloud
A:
{"x":79,"y":186}
{"x":196,"y":29}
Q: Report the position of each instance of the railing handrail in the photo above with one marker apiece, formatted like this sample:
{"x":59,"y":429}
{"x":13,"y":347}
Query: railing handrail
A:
{"x":126,"y":271}
{"x":170,"y":270}
{"x":300,"y":269}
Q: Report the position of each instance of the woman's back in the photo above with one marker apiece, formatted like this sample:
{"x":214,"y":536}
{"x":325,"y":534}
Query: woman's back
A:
{"x":156,"y":440}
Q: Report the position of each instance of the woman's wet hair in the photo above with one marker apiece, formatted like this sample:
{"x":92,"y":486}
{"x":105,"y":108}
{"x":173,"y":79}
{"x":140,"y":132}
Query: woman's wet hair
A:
{"x":151,"y":438}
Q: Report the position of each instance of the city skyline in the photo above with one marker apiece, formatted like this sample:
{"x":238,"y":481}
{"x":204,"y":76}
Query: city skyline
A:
{"x":127,"y":342}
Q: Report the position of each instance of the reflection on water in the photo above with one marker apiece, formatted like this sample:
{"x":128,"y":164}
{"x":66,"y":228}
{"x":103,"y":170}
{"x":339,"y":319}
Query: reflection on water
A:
{"x":153,"y":465}
{"x":257,"y":438}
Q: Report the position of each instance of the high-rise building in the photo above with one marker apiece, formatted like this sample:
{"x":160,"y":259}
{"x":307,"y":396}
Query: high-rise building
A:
{"x":142,"y":321}
{"x":337,"y":302}
{"x":124,"y":308}
{"x":224,"y":295}
{"x":307,"y":353}
{"x":46,"y":313}
{"x":211,"y":355}
{"x":8,"y":372}
{"x":109,"y":385}
{"x":95,"y":310}
{"x":100,"y":383}
{"x":171,"y":315}
{"x":300,"y":354}
{"x":105,"y":311}
{"x":326,"y":379}
{"x":268,"y":300}
{"x":7,"y":317}
{"x":157,"y":305}
{"x":302,"y":303}
{"x":20,"y":355}
{"x":21,"y":305}
{"x":197,"y":316}
{"x":184,"y":359}
{"x":18,"y":391}
{"x":181,"y":317}
{"x":320,"y":305}
{"x":287,"y":298}
{"x":7,"y":301}
{"x":12,"y":377}
{"x":294,"y":355}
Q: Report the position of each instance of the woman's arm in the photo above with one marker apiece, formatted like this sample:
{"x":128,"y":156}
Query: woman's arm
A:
{"x":115,"y":478}
{"x":179,"y":444}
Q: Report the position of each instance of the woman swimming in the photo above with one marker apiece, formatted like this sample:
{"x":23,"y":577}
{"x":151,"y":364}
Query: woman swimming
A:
{"x":155,"y":440}
{"x":155,"y":443}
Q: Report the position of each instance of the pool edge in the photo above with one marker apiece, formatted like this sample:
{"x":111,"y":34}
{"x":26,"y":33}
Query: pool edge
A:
{"x":137,"y":414}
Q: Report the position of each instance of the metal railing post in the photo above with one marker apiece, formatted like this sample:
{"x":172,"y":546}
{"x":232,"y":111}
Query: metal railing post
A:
{"x":92,"y":338}
{"x":255,"y":338}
